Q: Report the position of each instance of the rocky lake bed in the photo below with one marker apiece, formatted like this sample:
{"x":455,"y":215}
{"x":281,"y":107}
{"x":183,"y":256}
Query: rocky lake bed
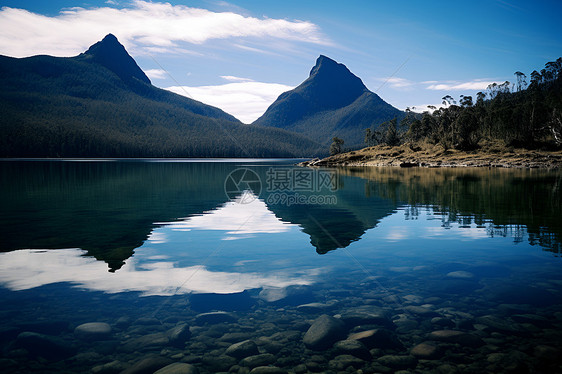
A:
{"x":363,"y":328}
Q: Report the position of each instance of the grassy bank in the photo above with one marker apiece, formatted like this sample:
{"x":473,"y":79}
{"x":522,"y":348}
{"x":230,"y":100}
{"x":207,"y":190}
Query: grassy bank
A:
{"x":424,"y":154}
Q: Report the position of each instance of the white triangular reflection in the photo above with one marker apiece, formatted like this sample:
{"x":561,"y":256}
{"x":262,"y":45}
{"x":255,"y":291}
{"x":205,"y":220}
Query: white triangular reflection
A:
{"x":241,"y":218}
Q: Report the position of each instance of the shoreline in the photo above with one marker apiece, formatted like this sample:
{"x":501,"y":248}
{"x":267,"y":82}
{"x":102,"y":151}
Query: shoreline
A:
{"x":435,"y":156}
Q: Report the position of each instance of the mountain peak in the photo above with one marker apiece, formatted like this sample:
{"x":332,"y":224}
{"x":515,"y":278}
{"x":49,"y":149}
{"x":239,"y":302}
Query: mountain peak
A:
{"x":329,"y":75}
{"x":324,"y":63}
{"x":327,"y":68}
{"x":332,"y":101}
{"x":111,"y":54}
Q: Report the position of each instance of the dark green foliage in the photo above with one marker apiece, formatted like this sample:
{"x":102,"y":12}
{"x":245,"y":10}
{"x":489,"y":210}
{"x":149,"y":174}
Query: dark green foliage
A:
{"x":528,"y":118}
{"x":336,"y":147}
{"x":391,"y":134}
{"x":331,"y":102}
{"x":91,"y":106}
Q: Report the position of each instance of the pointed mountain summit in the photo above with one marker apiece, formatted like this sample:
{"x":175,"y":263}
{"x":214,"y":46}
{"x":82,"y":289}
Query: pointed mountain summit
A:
{"x":328,"y":77}
{"x":332,"y":101}
{"x":111,"y":54}
{"x":101,"y":104}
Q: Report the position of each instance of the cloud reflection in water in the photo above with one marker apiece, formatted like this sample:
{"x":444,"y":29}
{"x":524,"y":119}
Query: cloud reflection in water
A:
{"x":28,"y":268}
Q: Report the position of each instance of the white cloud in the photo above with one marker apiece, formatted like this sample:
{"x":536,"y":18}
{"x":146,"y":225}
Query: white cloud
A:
{"x":231,"y":78}
{"x":140,"y":25}
{"x":459,"y":86}
{"x":395,"y":83}
{"x":399,"y":82}
{"x":155,"y":73}
{"x":157,"y":238}
{"x":246,"y":101}
{"x":473,"y":232}
{"x":397,"y":233}
{"x":425,"y":107}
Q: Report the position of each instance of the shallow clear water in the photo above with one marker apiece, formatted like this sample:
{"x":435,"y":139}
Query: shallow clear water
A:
{"x":146,"y":246}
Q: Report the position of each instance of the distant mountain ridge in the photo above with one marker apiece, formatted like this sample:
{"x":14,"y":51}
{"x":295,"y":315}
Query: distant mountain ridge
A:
{"x":101,"y":104}
{"x":332,"y":101}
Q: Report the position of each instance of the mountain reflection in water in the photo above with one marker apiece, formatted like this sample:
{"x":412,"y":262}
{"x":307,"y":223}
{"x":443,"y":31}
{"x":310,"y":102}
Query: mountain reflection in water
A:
{"x":459,"y":261}
{"x":109,"y":209}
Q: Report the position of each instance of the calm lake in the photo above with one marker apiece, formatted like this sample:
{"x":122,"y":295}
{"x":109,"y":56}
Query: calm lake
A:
{"x":237,"y":265}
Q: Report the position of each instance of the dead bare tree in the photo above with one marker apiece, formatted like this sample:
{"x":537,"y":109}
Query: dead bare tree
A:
{"x":555,"y":126}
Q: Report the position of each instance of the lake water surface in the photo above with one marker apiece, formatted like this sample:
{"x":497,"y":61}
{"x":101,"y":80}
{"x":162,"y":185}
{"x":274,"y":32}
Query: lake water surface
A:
{"x":174,"y":261}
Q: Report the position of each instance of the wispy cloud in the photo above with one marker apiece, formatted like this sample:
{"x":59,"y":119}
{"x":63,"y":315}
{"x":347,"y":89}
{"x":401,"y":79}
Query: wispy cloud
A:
{"x":246,"y":100}
{"x":396,"y":83}
{"x":231,"y":78}
{"x":426,"y":107}
{"x":477,"y":84}
{"x":155,"y":73}
{"x":140,"y":25}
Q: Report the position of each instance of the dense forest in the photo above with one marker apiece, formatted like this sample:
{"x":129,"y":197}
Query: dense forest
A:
{"x":100,"y":104}
{"x":527,"y":114}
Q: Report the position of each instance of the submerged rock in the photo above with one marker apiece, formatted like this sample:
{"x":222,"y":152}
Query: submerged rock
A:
{"x":263,"y":359}
{"x":235,"y":337}
{"x":148,"y":365}
{"x":314,"y":307}
{"x":269,"y":345}
{"x":242,"y":349}
{"x":268,"y":370}
{"x":343,"y":362}
{"x":112,"y":367}
{"x":146,"y":321}
{"x":425,"y":350}
{"x":377,"y":338}
{"x":217,"y":364}
{"x":397,"y":361}
{"x":443,"y":322}
{"x":123,"y":322}
{"x":374,"y":317}
{"x":533,"y":319}
{"x":146,"y":342}
{"x":178,"y":368}
{"x":324,"y":332}
{"x":352,"y":347}
{"x":93,"y":331}
{"x":214,"y":317}
{"x":46,"y":346}
{"x":458,"y":337}
{"x":421,"y":311}
{"x":500,"y":324}
{"x":178,"y":335}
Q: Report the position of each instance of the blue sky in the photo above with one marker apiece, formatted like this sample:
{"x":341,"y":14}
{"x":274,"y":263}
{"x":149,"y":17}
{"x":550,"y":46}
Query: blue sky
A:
{"x":240,"y":55}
